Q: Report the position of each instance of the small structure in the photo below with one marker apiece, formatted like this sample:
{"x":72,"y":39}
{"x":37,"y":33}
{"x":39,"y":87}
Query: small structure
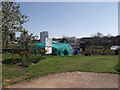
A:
{"x":115,"y":48}
{"x":61,"y":49}
{"x":48,"y":45}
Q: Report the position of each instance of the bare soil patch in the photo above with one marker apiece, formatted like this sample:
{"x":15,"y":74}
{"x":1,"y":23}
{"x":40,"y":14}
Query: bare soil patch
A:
{"x":72,"y":80}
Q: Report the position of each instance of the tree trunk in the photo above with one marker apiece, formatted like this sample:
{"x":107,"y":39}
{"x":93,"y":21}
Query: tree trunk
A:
{"x":6,"y":46}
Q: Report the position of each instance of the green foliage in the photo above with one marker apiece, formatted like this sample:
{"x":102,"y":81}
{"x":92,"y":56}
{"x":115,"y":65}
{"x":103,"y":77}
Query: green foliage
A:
{"x":117,"y":67}
{"x":34,"y":58}
{"x":11,"y":61}
{"x":25,"y":62}
{"x":12,"y":20}
{"x":40,"y":51}
{"x":22,"y":61}
{"x":26,"y":58}
{"x":25,"y":49}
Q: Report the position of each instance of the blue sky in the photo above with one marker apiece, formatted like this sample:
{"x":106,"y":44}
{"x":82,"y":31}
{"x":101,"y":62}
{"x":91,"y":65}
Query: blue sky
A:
{"x":77,"y":19}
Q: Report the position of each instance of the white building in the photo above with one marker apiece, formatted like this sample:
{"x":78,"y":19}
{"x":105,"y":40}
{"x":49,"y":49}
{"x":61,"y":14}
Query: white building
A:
{"x":43,"y":35}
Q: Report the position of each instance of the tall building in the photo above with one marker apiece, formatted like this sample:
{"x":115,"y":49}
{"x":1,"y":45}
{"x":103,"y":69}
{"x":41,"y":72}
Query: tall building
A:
{"x":43,"y":35}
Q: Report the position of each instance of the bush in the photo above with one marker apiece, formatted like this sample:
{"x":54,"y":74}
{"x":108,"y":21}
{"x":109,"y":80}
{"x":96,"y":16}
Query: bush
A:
{"x":22,"y":60}
{"x":11,"y":61}
{"x":25,"y":62}
{"x":117,"y":67}
{"x":34,"y":58}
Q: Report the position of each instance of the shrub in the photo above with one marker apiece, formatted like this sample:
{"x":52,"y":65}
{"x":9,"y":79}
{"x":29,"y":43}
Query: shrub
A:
{"x":34,"y":58}
{"x":117,"y":67}
{"x":25,"y":62}
{"x":11,"y":61}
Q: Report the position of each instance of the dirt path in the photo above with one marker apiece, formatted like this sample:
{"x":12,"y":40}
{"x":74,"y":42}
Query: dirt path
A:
{"x":72,"y":80}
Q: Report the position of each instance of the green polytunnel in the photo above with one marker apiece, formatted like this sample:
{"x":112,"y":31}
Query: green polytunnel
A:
{"x":61,"y":49}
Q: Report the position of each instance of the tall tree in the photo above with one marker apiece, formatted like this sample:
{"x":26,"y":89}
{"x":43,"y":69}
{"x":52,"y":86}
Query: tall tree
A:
{"x":99,"y":34}
{"x":12,"y":20}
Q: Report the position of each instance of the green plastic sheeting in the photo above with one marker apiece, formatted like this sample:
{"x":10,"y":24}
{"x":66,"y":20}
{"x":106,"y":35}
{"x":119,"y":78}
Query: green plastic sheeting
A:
{"x":57,"y":48}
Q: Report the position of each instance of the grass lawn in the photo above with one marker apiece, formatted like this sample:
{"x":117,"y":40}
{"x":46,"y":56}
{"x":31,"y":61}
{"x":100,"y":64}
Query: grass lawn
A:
{"x":56,"y":64}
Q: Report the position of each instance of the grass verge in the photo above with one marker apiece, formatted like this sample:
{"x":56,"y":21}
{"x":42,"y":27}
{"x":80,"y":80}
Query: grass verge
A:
{"x":55,"y":64}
